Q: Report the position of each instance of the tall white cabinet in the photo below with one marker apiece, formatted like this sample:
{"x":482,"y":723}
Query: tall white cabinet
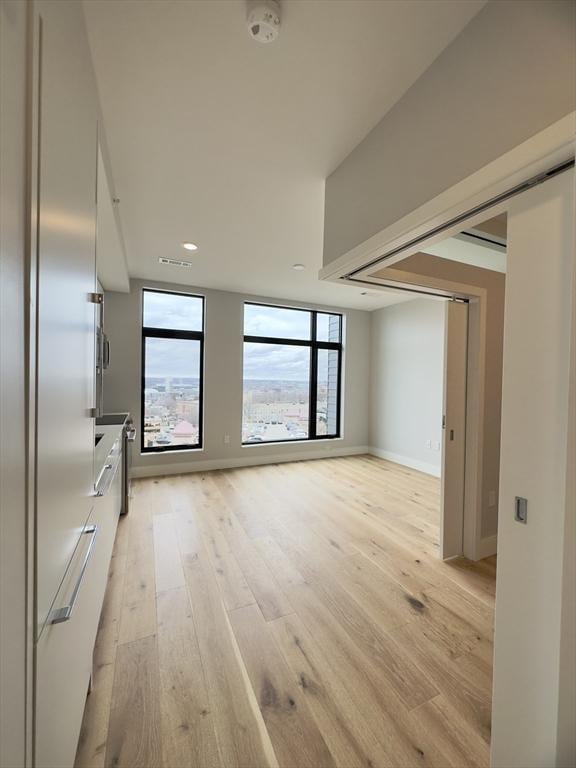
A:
{"x":66,"y":278}
{"x":74,"y":529}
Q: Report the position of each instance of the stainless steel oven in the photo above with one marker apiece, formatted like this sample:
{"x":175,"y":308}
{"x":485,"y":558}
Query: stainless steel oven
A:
{"x":129,"y":436}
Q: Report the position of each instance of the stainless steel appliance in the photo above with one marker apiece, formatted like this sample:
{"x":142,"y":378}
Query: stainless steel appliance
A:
{"x":128,"y":437}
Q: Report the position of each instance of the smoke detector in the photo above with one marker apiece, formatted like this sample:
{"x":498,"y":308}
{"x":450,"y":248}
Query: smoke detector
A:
{"x":264,"y":20}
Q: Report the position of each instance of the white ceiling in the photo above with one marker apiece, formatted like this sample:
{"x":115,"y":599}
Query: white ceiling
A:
{"x":216,"y":139}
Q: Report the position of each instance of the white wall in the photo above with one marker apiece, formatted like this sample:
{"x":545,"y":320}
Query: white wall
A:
{"x":407,"y":360}
{"x":534,"y":715}
{"x":485,"y":384}
{"x":13,"y":618}
{"x":566,"y":750}
{"x":223,"y":383}
{"x":515,"y":60}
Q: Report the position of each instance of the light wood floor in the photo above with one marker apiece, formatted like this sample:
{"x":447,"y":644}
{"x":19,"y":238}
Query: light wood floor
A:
{"x":292,"y":615}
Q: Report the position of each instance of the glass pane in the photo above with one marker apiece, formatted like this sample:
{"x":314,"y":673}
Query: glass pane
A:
{"x":172,"y":393}
{"x":327,"y":393}
{"x":276,"y":322}
{"x":173,"y":311}
{"x":327,"y":327}
{"x":276,"y":393}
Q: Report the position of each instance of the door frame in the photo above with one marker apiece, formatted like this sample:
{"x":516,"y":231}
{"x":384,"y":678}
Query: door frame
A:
{"x":547,"y":149}
{"x":454,"y":432}
{"x":474,"y":545}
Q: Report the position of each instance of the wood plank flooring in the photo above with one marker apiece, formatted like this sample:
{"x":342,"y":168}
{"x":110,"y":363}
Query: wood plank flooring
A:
{"x":290,"y":616}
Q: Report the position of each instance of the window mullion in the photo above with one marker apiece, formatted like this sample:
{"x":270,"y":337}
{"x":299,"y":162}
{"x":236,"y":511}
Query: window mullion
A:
{"x":313,"y":379}
{"x":168,"y":333}
{"x":142,"y":388}
{"x":249,"y":339}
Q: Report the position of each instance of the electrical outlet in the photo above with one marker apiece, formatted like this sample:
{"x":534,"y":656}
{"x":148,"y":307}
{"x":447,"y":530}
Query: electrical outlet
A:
{"x":429,"y":444}
{"x":492,"y":499}
{"x":226,"y":439}
{"x":436,"y":445}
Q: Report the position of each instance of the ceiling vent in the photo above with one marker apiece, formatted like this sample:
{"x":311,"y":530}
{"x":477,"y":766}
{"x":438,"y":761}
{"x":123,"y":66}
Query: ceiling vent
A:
{"x":175,"y":262}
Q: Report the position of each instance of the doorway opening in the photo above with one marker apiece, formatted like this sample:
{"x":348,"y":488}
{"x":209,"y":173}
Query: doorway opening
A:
{"x":468,"y":271}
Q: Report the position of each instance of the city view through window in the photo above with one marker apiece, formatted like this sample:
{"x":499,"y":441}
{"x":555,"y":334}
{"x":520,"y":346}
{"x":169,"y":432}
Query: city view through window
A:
{"x":291,"y":374}
{"x":173,"y":338}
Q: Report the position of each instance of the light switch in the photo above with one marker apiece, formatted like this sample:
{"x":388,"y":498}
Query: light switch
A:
{"x":521,"y":510}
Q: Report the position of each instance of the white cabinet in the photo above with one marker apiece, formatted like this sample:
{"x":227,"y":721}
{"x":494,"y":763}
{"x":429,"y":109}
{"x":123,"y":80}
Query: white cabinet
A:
{"x":64,"y":651}
{"x":74,"y":528}
{"x":64,"y":663}
{"x":105,"y":515}
{"x":66,"y":232}
{"x":110,"y":259}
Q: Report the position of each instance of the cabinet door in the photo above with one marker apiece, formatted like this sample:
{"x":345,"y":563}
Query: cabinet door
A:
{"x":65,"y":650}
{"x":64,"y":657}
{"x":105,"y":516}
{"x":67,"y":158}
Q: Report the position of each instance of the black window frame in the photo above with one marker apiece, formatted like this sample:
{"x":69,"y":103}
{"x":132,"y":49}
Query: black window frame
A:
{"x":169,"y":333}
{"x":314,"y":346}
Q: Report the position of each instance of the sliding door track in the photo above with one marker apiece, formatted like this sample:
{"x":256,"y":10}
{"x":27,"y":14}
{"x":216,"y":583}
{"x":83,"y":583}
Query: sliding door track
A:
{"x":417,"y":289}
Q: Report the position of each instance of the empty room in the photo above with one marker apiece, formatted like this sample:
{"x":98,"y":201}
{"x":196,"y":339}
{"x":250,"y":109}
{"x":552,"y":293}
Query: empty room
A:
{"x":288,"y":384}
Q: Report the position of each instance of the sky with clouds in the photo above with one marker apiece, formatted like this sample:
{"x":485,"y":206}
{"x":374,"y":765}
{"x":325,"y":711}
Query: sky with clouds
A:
{"x":177,"y":358}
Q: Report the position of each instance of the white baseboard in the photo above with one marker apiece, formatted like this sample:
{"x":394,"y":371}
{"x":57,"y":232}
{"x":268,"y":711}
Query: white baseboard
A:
{"x":157,"y":470}
{"x":421,"y":466}
{"x":487,"y":546}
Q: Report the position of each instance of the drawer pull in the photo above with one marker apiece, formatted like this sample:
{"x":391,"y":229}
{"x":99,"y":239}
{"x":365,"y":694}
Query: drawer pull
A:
{"x":63,"y":614}
{"x":101,"y":489}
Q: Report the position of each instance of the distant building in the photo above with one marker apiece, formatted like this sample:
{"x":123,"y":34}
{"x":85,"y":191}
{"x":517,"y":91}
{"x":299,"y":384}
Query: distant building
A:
{"x":184,"y":433}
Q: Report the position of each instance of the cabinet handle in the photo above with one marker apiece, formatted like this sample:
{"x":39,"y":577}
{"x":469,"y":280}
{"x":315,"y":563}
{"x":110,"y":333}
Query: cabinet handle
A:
{"x":105,"y":352}
{"x":100,"y":491}
{"x":60,"y":615}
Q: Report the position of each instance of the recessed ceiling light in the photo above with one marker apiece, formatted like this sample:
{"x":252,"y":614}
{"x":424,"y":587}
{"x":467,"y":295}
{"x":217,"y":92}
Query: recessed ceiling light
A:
{"x":298,"y":267}
{"x":190,"y":246}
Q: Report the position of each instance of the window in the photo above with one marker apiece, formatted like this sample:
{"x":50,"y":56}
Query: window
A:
{"x":172,"y":370}
{"x":292,"y":368}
